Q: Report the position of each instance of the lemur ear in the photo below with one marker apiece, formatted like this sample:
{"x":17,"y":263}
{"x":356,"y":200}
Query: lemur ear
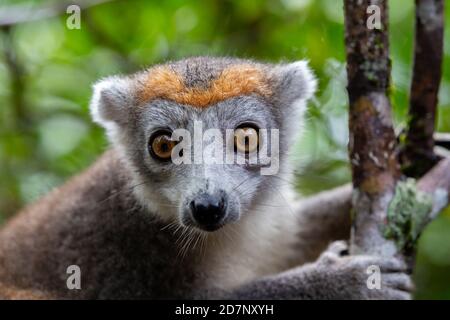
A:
{"x":111,"y":100}
{"x":296,"y":83}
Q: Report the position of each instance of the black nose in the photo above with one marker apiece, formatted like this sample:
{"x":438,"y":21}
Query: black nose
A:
{"x":209,"y":210}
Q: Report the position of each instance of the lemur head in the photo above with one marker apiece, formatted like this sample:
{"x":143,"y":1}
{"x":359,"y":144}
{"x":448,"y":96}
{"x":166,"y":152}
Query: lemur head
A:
{"x":141,"y":112}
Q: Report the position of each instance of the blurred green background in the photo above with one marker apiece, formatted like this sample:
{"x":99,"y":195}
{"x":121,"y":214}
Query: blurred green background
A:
{"x":46,"y":73}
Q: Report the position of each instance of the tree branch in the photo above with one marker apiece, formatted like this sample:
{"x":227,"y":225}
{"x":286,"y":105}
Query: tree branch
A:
{"x":330,"y":210}
{"x":417,"y":154}
{"x":437,"y":183}
{"x":372,"y":142}
{"x":339,"y":199}
{"x":442,"y":140}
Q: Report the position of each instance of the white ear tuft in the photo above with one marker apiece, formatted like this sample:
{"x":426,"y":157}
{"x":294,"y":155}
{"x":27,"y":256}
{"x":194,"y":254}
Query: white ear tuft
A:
{"x":110,"y":101}
{"x":296,"y":82}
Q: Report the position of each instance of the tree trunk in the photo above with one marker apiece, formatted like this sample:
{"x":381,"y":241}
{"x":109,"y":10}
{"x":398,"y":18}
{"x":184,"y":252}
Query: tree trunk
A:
{"x":372,"y":143}
{"x":417,"y":154}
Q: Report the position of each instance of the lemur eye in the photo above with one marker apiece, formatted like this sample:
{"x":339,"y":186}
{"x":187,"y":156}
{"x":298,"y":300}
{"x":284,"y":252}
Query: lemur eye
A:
{"x":161,"y":145}
{"x":246,"y":139}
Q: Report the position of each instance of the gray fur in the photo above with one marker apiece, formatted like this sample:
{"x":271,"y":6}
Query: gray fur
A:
{"x":126,"y":223}
{"x":332,"y":276}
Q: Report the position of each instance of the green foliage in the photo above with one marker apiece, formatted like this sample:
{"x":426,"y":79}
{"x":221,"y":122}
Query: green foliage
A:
{"x":46,"y":134}
{"x":432,"y":272}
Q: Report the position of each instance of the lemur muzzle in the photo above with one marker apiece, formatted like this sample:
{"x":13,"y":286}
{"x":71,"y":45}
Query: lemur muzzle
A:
{"x":209,"y":211}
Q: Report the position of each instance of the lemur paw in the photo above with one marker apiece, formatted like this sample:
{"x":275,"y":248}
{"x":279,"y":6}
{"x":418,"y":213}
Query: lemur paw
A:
{"x":355,"y":277}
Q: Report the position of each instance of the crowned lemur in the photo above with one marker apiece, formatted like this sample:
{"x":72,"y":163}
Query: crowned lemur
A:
{"x":140,"y":226}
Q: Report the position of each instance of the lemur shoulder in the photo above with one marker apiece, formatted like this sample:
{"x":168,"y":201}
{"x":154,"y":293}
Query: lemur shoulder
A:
{"x":139,"y":226}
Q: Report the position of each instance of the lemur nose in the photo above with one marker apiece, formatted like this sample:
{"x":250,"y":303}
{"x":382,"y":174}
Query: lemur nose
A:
{"x":209,"y":210}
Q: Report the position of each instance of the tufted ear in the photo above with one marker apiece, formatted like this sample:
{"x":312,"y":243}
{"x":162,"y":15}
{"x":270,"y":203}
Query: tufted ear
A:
{"x":295,"y":84}
{"x":111,"y":100}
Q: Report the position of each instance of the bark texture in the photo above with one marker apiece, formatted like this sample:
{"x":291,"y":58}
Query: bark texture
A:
{"x":372,"y":143}
{"x":417,"y":155}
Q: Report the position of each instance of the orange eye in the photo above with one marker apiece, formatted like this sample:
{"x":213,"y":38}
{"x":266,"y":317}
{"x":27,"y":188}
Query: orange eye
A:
{"x":161,"y":145}
{"x":246,"y":139}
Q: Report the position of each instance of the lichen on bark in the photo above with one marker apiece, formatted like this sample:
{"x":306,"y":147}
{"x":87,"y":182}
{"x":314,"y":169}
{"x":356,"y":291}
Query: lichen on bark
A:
{"x":407,"y":214}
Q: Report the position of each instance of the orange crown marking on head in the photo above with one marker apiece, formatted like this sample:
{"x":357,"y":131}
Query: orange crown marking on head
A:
{"x":165,"y":83}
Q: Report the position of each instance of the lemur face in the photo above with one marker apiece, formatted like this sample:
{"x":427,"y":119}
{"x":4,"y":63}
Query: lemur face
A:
{"x":220,"y":107}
